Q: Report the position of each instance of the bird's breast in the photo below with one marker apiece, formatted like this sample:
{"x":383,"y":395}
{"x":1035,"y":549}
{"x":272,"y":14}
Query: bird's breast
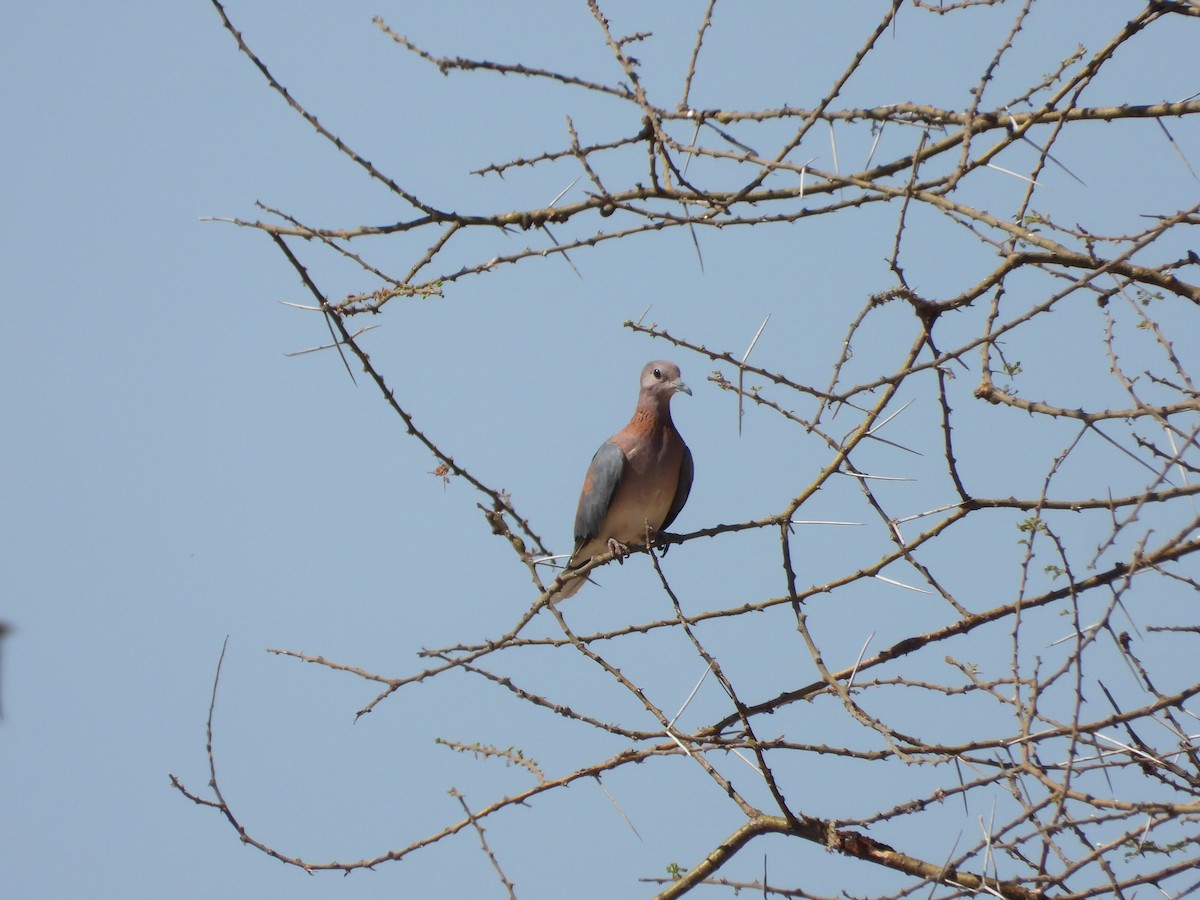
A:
{"x":642,"y":501}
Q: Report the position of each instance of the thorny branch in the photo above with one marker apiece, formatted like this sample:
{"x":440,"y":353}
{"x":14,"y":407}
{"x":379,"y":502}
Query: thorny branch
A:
{"x":993,"y":697}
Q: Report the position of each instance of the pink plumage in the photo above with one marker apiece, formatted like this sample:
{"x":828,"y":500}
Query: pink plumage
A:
{"x":639,"y":479}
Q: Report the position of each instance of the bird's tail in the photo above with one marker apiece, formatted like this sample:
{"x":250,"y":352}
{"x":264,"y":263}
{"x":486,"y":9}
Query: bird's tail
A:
{"x":571,"y":587}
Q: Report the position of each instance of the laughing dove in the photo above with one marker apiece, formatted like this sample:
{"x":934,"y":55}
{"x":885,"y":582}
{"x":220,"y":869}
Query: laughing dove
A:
{"x":639,"y":479}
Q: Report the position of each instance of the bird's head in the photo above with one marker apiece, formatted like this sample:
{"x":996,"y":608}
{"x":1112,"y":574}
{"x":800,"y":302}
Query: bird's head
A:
{"x":661,"y":380}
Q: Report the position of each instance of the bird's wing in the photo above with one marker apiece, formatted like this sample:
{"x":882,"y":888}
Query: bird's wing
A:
{"x":682,"y":489}
{"x":599,"y":487}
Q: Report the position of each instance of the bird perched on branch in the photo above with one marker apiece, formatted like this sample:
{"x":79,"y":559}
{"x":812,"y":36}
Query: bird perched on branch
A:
{"x":639,"y":479}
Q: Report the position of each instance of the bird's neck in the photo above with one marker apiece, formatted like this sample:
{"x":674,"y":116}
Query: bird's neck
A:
{"x":652,"y":418}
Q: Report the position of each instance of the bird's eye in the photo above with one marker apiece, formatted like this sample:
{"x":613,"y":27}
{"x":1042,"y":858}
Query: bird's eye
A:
{"x":658,"y":374}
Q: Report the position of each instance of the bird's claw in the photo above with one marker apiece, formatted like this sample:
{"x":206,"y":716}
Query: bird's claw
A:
{"x":619,"y":550}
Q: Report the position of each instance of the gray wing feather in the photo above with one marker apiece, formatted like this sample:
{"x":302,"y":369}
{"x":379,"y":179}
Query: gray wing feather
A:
{"x":604,"y":474}
{"x":686,"y":471}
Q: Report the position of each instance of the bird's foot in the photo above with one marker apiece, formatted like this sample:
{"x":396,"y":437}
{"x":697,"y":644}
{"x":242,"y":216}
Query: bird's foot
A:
{"x":619,"y":550}
{"x":662,"y":541}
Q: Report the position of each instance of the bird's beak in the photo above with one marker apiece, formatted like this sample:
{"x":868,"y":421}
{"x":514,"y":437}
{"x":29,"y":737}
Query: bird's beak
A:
{"x":680,"y":387}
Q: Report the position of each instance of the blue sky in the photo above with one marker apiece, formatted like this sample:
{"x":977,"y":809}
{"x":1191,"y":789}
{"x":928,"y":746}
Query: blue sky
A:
{"x":173,"y":477}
